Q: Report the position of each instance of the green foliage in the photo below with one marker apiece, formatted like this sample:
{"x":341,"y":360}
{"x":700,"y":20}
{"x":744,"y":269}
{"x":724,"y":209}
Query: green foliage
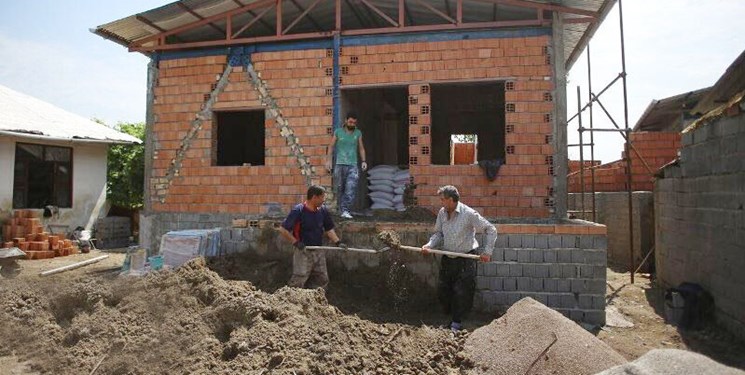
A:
{"x":126,"y":169}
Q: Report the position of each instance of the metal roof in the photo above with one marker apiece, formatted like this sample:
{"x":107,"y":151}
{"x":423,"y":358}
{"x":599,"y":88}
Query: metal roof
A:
{"x":354,"y":16}
{"x":27,"y":117}
{"x":669,"y":114}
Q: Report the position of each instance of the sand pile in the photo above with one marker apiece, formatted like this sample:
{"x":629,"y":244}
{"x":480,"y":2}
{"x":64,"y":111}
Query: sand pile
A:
{"x":533,"y":339}
{"x":672,"y":362}
{"x":192,"y":321}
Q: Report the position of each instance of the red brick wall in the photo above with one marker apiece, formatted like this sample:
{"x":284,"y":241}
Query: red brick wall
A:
{"x":300,"y":82}
{"x":655,"y":148}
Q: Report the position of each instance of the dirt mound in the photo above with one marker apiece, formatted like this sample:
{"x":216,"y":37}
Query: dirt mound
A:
{"x":532,"y":338}
{"x":672,"y":362}
{"x":192,"y":321}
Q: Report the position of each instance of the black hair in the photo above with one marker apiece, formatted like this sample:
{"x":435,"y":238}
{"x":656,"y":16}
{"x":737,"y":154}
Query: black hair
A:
{"x":315,"y":190}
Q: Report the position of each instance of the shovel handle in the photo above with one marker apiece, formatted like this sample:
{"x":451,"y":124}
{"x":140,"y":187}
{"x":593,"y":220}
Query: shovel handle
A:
{"x":442,"y":252}
{"x":340,"y":248}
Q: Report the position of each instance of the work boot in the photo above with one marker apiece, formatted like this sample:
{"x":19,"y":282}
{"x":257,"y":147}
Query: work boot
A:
{"x":346,"y":215}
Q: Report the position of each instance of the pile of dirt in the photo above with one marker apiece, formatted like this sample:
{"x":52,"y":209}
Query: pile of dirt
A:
{"x":532,"y":338}
{"x":192,"y":321}
{"x":672,"y":362}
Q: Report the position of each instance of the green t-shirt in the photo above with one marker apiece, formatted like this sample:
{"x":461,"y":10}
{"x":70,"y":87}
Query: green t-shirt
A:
{"x":346,"y":146}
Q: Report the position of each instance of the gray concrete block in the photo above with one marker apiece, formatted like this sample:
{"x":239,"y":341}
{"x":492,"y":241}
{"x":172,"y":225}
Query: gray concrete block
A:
{"x":595,"y":317}
{"x":514,"y":240}
{"x":586,"y":271}
{"x":600,"y":272}
{"x":554,"y":270}
{"x":579,"y":286}
{"x":536,"y":256}
{"x":528,"y":241}
{"x":554,"y":241}
{"x":598,"y":302}
{"x":501,"y":241}
{"x":497,"y":255}
{"x":523,"y":255}
{"x":516,"y":270}
{"x":586,"y":242}
{"x":489,"y":269}
{"x":585,"y":302}
{"x":495,"y":283}
{"x":569,"y":271}
{"x":510,"y":255}
{"x":600,"y":242}
{"x":596,"y":286}
{"x":554,"y":300}
{"x":550,"y":285}
{"x":510,"y":284}
{"x":541,"y":270}
{"x":523,"y":284}
{"x":536,"y":285}
{"x":550,"y":256}
{"x":541,"y":297}
{"x":569,"y":241}
{"x":577,"y":315}
{"x":563,"y":285}
{"x":579,"y":256}
{"x":529,"y":270}
{"x":568,"y":301}
{"x":503,"y":269}
{"x":541,"y":241}
{"x":565,"y":255}
{"x":512,"y":298}
{"x":482,"y":282}
{"x":596,"y":257}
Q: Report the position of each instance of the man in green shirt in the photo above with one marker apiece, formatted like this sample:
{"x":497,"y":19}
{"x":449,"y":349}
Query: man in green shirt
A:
{"x":346,"y":143}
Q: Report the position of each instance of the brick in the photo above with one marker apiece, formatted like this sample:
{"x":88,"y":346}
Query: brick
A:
{"x":495,"y":283}
{"x":596,"y":286}
{"x":550,"y":256}
{"x":578,"y":256}
{"x":554,"y":270}
{"x":528,"y":241}
{"x":586,"y":271}
{"x":554,"y":242}
{"x":579,"y":286}
{"x":565,"y":255}
{"x":569,"y":271}
{"x":570,"y":241}
{"x":536,"y":256}
{"x":497,"y":255}
{"x":568,"y":301}
{"x":563,"y":285}
{"x":514,"y":240}
{"x":550,"y":285}
{"x":490,"y":269}
{"x":536,"y":285}
{"x":523,"y":256}
{"x":529,"y":270}
{"x":586,"y":242}
{"x":541,"y":241}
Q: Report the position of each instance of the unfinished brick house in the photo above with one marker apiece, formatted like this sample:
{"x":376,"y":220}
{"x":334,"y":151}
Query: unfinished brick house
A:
{"x":244,"y":96}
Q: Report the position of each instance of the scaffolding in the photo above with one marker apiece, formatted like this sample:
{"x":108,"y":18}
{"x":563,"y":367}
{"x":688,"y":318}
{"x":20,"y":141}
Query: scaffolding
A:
{"x":624,"y":131}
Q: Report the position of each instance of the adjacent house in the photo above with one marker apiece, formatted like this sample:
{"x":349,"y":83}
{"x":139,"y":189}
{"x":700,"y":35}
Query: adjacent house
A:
{"x":51,"y":157}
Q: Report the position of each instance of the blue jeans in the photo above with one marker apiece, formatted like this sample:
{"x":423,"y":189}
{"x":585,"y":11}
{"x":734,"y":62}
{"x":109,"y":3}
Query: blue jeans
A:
{"x":345,"y":183}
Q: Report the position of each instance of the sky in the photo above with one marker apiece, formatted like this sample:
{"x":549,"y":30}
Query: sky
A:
{"x":672,"y":47}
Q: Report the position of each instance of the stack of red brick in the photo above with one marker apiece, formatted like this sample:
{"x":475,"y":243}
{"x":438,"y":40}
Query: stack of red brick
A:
{"x":26,"y":232}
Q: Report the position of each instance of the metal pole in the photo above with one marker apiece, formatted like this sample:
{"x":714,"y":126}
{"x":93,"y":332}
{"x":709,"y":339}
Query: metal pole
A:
{"x":581,"y":157}
{"x":628,"y":143}
{"x":592,"y":135}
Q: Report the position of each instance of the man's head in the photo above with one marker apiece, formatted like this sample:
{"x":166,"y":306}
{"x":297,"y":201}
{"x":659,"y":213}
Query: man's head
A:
{"x":351,"y":121}
{"x":449,"y":197}
{"x":315,"y":196}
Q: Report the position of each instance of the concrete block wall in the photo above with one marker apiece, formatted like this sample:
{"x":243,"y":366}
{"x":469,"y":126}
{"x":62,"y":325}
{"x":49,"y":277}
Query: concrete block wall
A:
{"x":562,"y":266}
{"x":700,"y":215}
{"x":655,"y":148}
{"x":300,"y":82}
{"x":612,"y":211}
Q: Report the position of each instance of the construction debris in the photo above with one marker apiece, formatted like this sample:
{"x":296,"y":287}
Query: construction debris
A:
{"x":529,"y":331}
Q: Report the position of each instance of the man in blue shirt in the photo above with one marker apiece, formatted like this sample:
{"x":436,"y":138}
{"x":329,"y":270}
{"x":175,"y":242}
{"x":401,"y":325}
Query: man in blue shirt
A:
{"x":306,"y":225}
{"x":346,"y":143}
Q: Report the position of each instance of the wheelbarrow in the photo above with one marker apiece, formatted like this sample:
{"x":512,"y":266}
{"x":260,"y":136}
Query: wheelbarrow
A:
{"x":9,"y":267}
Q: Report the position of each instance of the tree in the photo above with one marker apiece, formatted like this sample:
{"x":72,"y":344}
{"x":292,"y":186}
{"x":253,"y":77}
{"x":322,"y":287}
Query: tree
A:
{"x":126,"y":169}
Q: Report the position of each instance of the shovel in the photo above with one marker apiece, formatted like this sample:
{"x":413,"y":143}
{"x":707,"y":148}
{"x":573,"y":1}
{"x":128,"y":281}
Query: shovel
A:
{"x":369,"y":251}
{"x":441,"y":252}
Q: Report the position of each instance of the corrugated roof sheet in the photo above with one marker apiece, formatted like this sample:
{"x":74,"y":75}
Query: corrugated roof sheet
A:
{"x":26,"y":116}
{"x":168,"y":17}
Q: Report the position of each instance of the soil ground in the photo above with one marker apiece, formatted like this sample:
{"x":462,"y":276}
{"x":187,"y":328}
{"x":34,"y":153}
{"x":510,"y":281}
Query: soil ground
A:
{"x":239,"y":318}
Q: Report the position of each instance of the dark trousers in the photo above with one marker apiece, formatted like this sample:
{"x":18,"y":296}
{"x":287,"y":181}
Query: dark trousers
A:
{"x":456,"y":286}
